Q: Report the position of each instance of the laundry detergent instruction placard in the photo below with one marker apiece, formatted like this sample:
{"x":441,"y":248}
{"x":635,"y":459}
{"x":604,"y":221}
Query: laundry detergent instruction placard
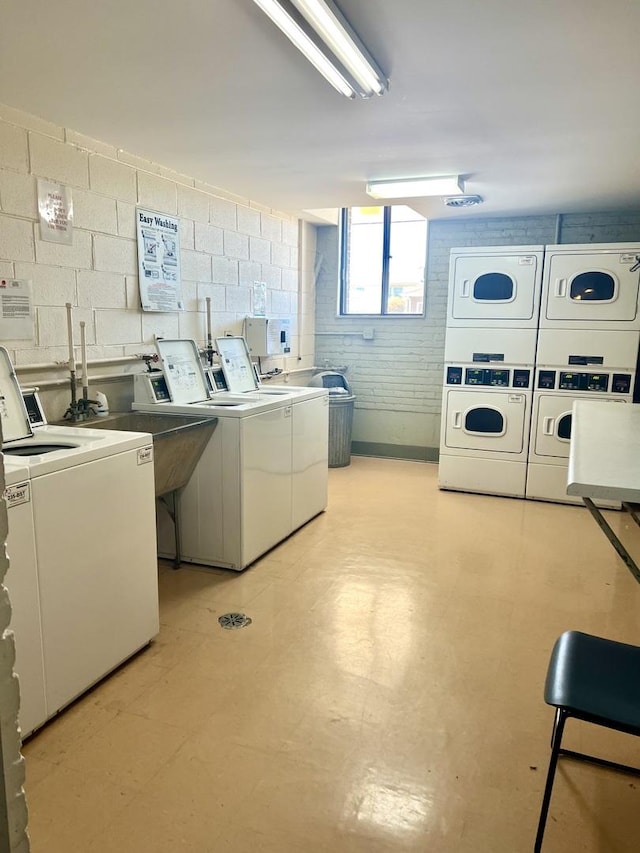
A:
{"x":159,"y":261}
{"x":16,"y":309}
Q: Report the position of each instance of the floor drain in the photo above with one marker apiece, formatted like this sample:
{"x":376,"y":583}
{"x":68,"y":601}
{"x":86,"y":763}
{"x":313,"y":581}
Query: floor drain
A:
{"x":234,"y":620}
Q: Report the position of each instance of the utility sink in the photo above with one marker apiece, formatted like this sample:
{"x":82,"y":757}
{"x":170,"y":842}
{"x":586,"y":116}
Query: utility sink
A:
{"x":178,"y":442}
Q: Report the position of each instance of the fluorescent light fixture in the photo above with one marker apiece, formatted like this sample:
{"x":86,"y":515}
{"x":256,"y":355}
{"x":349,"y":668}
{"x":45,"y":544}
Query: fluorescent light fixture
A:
{"x":335,"y":31}
{"x":416,"y":187}
{"x":329,"y":24}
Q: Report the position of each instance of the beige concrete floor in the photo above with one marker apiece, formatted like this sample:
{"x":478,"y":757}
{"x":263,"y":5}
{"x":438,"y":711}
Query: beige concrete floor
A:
{"x":386,"y":697}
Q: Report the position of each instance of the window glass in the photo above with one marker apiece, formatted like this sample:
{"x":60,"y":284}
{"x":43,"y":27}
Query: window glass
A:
{"x":593,"y":286}
{"x":484,"y":420}
{"x":493,"y":287}
{"x":407,"y":258}
{"x":364,"y":260}
{"x":382,"y":261}
{"x":564,"y":427}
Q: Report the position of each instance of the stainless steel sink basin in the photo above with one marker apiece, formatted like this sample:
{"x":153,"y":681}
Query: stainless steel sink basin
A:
{"x":178,"y":442}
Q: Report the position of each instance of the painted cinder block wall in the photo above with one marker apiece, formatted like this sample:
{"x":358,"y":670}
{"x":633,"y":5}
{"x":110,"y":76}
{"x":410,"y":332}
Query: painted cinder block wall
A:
{"x":227,"y":243}
{"x":13,"y":812}
{"x":397,"y":376}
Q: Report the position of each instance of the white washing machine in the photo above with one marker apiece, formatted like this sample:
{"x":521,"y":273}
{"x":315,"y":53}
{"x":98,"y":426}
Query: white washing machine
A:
{"x":309,"y":426}
{"x":93,"y":500}
{"x":22,"y":582}
{"x":495,"y":286}
{"x":264,"y":470}
{"x":591,"y":287}
{"x":486,"y":413}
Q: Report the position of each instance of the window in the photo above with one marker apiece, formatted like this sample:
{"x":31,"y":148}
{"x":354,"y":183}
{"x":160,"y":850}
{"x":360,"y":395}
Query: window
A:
{"x":383,"y":252}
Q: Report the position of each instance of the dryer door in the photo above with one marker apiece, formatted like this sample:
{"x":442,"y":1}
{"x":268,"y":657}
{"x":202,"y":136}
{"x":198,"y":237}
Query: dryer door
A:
{"x":553,"y":425}
{"x":481,"y":420}
{"x":494,"y":288}
{"x":592,"y":288}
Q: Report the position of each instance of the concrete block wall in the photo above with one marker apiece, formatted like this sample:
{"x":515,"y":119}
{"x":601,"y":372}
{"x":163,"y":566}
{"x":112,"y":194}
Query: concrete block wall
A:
{"x":397,"y":376}
{"x":227,"y":243}
{"x":13,"y":818}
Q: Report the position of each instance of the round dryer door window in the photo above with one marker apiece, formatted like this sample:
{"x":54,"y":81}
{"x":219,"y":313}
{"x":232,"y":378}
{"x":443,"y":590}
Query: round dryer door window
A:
{"x":593,"y":287}
{"x":493,"y":287}
{"x":484,"y":420}
{"x":564,"y":427}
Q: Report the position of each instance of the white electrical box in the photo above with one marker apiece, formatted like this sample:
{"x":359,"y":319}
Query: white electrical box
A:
{"x":267,"y":336}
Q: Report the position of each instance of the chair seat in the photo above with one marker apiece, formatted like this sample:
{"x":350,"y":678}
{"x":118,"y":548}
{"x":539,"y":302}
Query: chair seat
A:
{"x":595,"y":677}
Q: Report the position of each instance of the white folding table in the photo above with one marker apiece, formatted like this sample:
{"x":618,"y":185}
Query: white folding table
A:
{"x":604,"y":463}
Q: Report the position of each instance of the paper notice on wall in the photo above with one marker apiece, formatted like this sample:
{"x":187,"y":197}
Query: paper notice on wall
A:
{"x":159,"y":261}
{"x":55,"y":209}
{"x":16,"y":310}
{"x":259,"y":299}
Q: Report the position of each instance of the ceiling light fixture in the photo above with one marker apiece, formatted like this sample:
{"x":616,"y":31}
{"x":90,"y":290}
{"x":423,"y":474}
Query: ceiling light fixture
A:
{"x":329,"y":24}
{"x":335,"y":31}
{"x":416,"y":187}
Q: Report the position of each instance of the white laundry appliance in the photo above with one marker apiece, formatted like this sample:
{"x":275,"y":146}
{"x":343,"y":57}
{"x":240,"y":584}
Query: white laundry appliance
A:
{"x":22,"y":582}
{"x":495,"y":287}
{"x":591,"y":287}
{"x":486,"y":410}
{"x":309,"y":425}
{"x":573,"y":365}
{"x":93,"y":502}
{"x":264,"y":470}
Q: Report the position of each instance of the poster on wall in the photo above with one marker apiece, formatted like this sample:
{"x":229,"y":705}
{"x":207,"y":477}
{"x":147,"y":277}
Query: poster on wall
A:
{"x":259,"y":299}
{"x":16,"y":310}
{"x":55,"y":211}
{"x":159,"y":261}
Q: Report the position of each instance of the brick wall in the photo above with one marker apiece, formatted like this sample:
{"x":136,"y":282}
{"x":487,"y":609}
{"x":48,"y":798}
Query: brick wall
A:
{"x":227,"y":243}
{"x":397,"y":376}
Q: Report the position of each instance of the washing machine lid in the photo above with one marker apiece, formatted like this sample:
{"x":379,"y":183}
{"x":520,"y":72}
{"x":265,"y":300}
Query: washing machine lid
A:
{"x":183,"y":370}
{"x":236,"y":364}
{"x":13,"y":412}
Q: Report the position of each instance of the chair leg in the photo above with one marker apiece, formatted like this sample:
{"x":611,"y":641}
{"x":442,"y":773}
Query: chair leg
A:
{"x":558,"y":728}
{"x":555,"y":726}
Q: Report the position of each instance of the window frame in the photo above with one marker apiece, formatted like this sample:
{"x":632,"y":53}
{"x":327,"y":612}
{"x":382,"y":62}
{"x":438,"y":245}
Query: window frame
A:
{"x":343,"y":243}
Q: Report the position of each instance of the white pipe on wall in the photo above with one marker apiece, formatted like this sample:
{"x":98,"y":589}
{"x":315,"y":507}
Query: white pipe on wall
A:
{"x":59,"y":383}
{"x":58,"y":365}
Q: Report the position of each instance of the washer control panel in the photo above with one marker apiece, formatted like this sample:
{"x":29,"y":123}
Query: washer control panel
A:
{"x":489,"y":377}
{"x":564,"y":380}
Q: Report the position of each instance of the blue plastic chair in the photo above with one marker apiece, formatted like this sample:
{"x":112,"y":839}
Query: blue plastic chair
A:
{"x":597,"y":681}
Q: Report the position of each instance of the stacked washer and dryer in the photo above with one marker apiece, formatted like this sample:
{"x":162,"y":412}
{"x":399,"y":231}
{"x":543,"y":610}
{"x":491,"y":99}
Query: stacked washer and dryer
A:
{"x":529,"y":330}
{"x":490,"y":350}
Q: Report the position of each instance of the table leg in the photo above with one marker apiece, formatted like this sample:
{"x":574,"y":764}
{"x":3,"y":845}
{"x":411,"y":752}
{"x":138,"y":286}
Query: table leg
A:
{"x":611,"y":536}
{"x":633,"y":510}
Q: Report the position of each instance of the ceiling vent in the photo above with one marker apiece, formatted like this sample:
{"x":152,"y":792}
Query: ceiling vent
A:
{"x":462,"y":200}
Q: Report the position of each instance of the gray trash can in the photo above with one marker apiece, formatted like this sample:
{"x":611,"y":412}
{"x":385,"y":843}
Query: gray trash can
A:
{"x":341,"y":404}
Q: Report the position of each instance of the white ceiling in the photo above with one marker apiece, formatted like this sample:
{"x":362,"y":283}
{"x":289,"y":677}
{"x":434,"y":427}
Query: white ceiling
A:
{"x":537,"y":104}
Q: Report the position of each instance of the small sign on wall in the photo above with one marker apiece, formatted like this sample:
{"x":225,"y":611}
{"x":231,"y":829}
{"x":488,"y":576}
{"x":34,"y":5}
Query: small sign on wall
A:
{"x":16,"y":310}
{"x":55,"y":210}
{"x":259,"y":299}
{"x":159,"y":261}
